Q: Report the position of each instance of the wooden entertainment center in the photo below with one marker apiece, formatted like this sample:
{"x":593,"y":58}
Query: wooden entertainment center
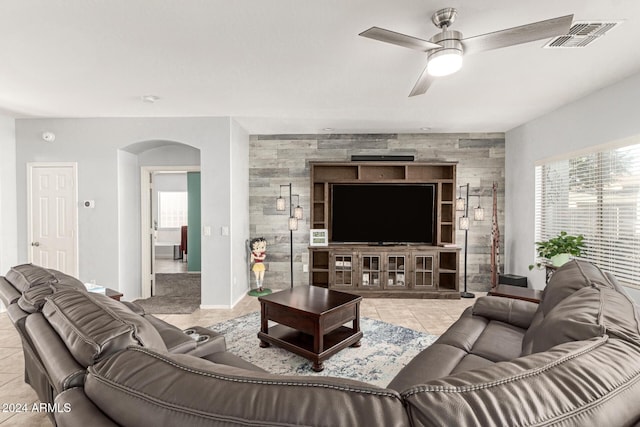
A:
{"x":401,"y":270}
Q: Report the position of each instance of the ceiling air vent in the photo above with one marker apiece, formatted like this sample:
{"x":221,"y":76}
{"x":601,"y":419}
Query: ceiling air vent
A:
{"x":582,"y":34}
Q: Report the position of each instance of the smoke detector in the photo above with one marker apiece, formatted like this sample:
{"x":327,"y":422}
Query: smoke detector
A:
{"x":48,"y":136}
{"x":581,"y":34}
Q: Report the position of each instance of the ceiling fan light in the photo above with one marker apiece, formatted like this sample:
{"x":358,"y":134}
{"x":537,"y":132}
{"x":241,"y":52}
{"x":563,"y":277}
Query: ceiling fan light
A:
{"x":444,"y":62}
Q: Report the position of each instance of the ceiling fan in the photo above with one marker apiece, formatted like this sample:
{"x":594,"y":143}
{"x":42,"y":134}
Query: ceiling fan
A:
{"x":445,"y":49}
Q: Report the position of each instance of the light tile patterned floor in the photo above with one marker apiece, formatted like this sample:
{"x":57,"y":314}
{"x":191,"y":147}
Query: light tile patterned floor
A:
{"x":433,"y":316}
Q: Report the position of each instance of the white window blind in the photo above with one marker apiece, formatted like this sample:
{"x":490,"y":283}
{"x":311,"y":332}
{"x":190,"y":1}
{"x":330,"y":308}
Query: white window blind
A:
{"x":596,"y":195}
{"x":172,"y":209}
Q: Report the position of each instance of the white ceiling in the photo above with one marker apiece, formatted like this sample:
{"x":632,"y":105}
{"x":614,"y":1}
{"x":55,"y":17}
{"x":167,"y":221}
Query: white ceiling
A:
{"x":296,"y":66}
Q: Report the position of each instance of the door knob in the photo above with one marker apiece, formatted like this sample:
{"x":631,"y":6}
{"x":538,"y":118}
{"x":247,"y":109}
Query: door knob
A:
{"x":35,"y":243}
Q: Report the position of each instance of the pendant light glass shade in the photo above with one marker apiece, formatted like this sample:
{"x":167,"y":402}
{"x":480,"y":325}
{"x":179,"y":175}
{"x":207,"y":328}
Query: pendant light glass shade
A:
{"x":293,"y":224}
{"x":464,"y":223}
{"x":478,"y":214}
{"x":459,"y":204}
{"x":297,"y":212}
{"x":280,"y":203}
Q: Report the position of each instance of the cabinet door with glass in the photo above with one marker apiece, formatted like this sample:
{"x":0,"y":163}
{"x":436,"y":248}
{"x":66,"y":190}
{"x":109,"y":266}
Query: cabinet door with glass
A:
{"x":424,"y":271}
{"x":396,"y":270}
{"x":342,"y":267}
{"x":370,"y":271}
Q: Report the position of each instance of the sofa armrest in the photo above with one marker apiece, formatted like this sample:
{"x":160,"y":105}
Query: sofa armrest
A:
{"x":63,"y":370}
{"x":8,"y":293}
{"x":177,"y":342}
{"x":16,"y":314}
{"x":512,"y":311}
{"x":212,"y":343}
{"x":74,"y":409}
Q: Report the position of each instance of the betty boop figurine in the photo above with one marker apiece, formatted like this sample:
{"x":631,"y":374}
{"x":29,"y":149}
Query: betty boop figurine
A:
{"x":258,"y":254}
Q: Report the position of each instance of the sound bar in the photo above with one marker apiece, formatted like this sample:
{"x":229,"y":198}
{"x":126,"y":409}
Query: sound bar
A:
{"x":382,"y":158}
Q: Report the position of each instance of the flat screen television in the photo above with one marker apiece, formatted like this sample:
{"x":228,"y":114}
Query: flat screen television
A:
{"x":383,"y":213}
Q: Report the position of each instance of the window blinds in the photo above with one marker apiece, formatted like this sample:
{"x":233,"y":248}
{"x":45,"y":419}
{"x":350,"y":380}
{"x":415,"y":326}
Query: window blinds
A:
{"x":596,"y":195}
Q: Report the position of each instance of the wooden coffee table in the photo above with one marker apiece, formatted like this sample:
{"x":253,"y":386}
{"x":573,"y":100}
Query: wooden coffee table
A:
{"x":310,"y":322}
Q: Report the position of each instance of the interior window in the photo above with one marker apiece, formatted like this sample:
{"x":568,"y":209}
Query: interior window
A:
{"x":172,"y":209}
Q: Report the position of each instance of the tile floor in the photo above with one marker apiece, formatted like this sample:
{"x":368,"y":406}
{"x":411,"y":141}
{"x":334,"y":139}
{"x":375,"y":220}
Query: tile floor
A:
{"x":433,"y":316}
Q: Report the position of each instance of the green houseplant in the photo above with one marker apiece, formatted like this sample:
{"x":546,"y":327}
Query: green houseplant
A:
{"x":558,"y":249}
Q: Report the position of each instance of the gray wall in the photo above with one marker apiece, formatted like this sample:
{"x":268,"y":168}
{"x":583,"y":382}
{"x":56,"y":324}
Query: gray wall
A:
{"x":94,"y":145}
{"x":280,"y":159}
{"x":129,"y":275}
{"x":605,"y":116}
{"x":8,"y":212}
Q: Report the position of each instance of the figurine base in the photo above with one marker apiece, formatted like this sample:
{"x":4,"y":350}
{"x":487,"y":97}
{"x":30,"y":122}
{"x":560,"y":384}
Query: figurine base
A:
{"x":257,"y":293}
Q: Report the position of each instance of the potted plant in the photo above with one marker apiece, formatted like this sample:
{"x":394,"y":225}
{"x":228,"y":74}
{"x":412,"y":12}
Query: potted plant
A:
{"x":558,"y":249}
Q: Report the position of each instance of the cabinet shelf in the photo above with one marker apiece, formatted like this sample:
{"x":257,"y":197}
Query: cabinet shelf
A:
{"x":410,"y":271}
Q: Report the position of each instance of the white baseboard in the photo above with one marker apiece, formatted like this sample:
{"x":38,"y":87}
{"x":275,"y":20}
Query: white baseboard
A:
{"x":222,"y":306}
{"x":242,"y":295}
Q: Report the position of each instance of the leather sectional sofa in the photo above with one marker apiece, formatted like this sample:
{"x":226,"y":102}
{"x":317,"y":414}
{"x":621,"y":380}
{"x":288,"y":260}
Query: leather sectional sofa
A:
{"x":574,"y":359}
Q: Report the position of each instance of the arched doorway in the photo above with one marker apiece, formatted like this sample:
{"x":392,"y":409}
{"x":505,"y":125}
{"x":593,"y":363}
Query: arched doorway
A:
{"x":169,"y":280}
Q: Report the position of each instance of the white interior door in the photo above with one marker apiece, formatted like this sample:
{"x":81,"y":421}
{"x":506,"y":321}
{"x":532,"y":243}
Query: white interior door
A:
{"x":148,"y":233}
{"x":52,"y":212}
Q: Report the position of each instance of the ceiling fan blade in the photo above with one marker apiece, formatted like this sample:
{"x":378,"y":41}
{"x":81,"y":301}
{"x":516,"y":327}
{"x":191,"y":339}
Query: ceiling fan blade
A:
{"x":398,"y":39}
{"x":423,"y":83}
{"x":517,"y":35}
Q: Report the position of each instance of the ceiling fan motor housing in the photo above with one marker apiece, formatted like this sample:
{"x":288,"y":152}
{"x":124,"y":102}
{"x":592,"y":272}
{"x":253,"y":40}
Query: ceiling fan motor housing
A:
{"x":449,"y":40}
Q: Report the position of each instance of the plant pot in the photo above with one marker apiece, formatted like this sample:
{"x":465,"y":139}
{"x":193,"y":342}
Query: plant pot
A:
{"x":560,"y":259}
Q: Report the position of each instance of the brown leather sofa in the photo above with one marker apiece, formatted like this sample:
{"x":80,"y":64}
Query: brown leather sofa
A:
{"x":65,"y":329}
{"x":574,"y":359}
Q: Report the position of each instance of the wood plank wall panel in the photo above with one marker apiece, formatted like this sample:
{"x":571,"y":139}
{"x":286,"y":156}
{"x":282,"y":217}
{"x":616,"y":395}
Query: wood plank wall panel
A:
{"x":280,"y":159}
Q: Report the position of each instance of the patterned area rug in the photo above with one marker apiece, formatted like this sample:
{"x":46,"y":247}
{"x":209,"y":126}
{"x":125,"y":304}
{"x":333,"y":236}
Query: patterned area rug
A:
{"x":385,"y":350}
{"x":176,"y":293}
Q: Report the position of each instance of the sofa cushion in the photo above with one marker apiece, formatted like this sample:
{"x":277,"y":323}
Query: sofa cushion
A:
{"x":571,"y":277}
{"x":94,"y":326}
{"x":465,"y":331}
{"x":590,"y":312}
{"x":436,"y":361}
{"x":67,"y":280}
{"x":577,"y":317}
{"x":25,"y":276}
{"x":471,"y":361}
{"x":140,"y":387}
{"x":32,"y":300}
{"x":556,"y":387}
{"x":508,"y":310}
{"x":77,"y":410}
{"x":471,"y":342}
{"x":499,"y":341}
